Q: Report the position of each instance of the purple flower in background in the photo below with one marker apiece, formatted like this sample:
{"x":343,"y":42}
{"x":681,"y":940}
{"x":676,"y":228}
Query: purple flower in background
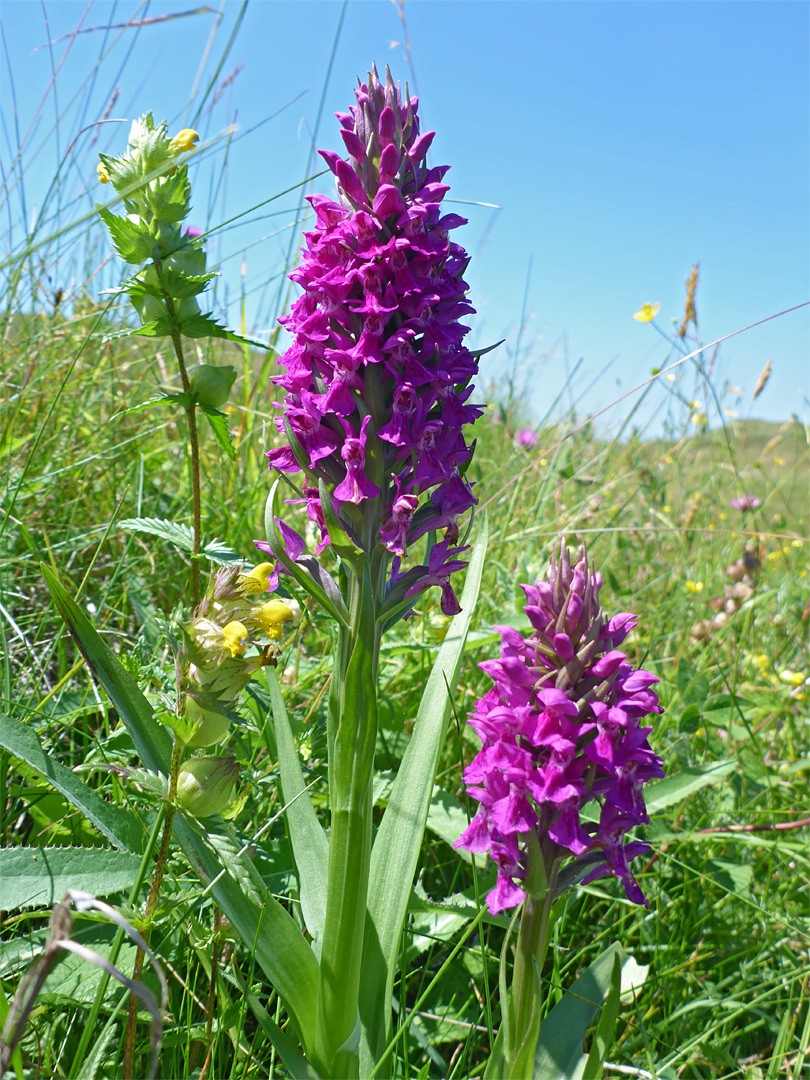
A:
{"x":526,"y":437}
{"x":561,"y":728}
{"x":377,"y":377}
{"x":745,"y":502}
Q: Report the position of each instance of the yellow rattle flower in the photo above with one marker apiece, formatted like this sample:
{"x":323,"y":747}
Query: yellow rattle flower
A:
{"x":271,"y":616}
{"x":647,"y":313}
{"x":235,"y":637}
{"x":256,"y":580}
{"x":184,"y":140}
{"x":103,"y":175}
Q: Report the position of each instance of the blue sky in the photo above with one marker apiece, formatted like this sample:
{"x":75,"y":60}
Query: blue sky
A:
{"x":622,"y":141}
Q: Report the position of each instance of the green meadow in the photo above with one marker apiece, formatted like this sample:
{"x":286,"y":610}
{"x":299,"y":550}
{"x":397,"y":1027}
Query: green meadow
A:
{"x":97,"y":491}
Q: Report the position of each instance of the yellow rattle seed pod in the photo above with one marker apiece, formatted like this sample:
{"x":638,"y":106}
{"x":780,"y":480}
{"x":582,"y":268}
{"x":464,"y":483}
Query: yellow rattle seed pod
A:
{"x":205,"y":785}
{"x":212,"y":726}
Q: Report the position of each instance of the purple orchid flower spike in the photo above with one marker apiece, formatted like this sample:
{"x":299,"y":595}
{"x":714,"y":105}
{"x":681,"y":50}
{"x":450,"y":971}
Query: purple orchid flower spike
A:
{"x":560,"y":728}
{"x":377,"y":378}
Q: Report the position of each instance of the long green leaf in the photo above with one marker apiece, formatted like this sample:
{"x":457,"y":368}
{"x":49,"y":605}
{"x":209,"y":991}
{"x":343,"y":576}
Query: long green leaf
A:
{"x":559,"y":1050}
{"x":399,"y":838}
{"x":309,"y":843}
{"x":236,"y":886}
{"x":674,"y":789}
{"x":296,"y":1065}
{"x":39,"y":877}
{"x":591,"y":1067}
{"x":120,"y":826}
{"x":152,"y":742}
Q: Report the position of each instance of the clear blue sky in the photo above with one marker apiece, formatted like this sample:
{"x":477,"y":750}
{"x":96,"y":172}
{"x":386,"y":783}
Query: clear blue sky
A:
{"x":621,"y":140}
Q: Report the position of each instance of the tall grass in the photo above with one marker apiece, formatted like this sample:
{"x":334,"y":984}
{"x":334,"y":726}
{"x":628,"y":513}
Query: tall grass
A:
{"x":721,"y":986}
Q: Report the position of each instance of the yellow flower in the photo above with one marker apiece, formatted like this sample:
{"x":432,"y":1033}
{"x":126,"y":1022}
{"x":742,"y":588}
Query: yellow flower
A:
{"x":763,"y":662}
{"x":271,"y":616}
{"x":647,"y":313}
{"x":694,"y":586}
{"x":235,"y":637}
{"x":256,"y":580}
{"x":103,"y":175}
{"x":184,"y":140}
{"x":793,"y":678}
{"x":778,"y":460}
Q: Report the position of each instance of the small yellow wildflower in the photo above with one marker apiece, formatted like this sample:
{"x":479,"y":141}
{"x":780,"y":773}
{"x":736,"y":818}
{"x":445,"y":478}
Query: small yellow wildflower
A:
{"x":670,"y":377}
{"x":235,"y":638}
{"x":732,"y":414}
{"x":793,"y":678}
{"x":797,"y":543}
{"x":184,"y":140}
{"x":763,"y":662}
{"x":694,"y":586}
{"x":103,"y":175}
{"x":666,"y":509}
{"x":778,"y":460}
{"x":272,"y":615}
{"x":647,"y":313}
{"x":256,"y":580}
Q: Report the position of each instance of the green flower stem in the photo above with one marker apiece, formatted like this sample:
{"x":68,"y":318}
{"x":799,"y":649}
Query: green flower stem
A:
{"x":525,"y":997}
{"x":194,"y":448}
{"x":352,"y":738}
{"x":151,"y":904}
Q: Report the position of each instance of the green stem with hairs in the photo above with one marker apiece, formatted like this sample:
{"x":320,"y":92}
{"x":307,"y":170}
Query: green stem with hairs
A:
{"x":194,"y":446}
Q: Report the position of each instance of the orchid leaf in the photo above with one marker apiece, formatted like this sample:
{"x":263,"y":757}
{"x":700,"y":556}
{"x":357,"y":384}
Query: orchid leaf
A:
{"x":559,"y":1049}
{"x":309,"y":843}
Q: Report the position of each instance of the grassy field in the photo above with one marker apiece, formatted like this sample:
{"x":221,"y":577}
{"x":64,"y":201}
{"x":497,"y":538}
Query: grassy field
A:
{"x":723,"y":972}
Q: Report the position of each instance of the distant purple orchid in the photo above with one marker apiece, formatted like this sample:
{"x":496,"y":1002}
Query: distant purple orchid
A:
{"x":560,"y":728}
{"x":526,"y":437}
{"x":377,"y":377}
{"x":745,"y":502}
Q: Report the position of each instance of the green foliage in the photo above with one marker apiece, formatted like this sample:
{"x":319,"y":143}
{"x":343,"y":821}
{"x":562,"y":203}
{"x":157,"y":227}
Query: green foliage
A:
{"x":89,"y":485}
